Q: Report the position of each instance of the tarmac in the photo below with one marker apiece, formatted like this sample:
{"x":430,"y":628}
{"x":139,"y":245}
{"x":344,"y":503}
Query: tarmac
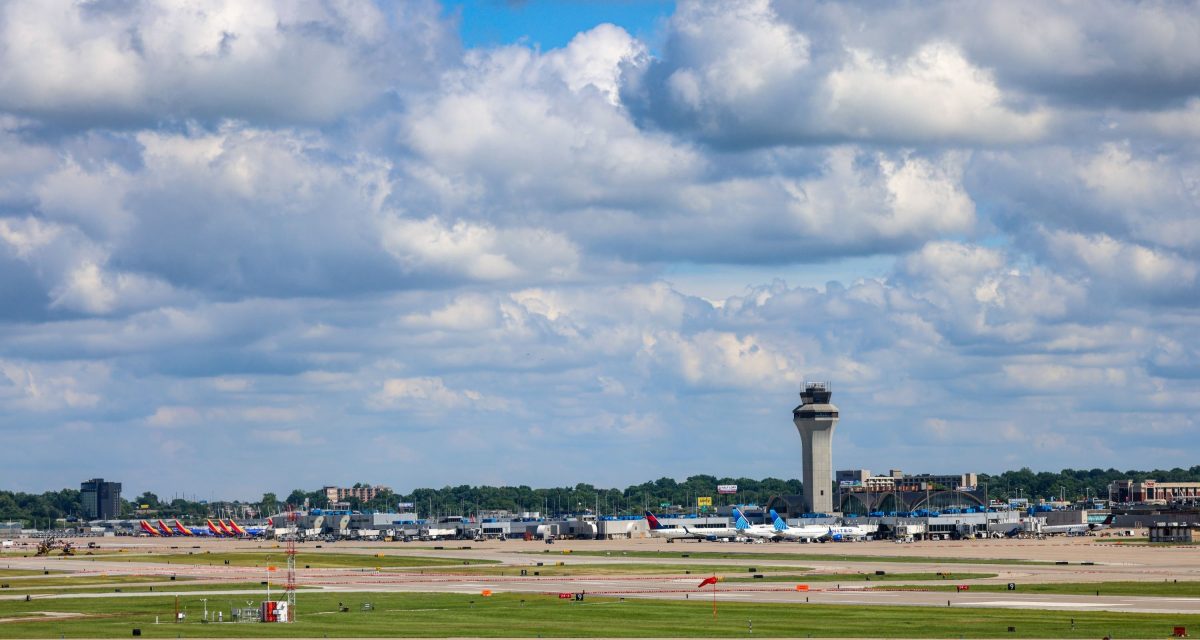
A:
{"x":1077,"y":560}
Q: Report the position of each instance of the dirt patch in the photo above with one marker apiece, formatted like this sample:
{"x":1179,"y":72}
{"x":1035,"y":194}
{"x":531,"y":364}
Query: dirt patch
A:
{"x":40,"y":616}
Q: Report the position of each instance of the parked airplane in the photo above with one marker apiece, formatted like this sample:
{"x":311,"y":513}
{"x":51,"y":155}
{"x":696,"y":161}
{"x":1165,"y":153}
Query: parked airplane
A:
{"x":807,"y":532}
{"x":760,"y":531}
{"x":670,"y":534}
{"x":1078,"y":529}
{"x":252,"y":531}
{"x":149,"y":529}
{"x":851,"y":532}
{"x":684,"y":532}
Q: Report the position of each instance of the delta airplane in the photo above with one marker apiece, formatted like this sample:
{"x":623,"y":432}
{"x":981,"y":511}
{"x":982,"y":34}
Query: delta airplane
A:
{"x":1078,"y":529}
{"x":807,"y":532}
{"x":683,"y":532}
{"x":760,"y":531}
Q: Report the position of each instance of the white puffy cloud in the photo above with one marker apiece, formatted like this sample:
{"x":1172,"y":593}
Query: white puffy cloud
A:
{"x":114,"y":62}
{"x":722,"y":360}
{"x":1138,"y":270}
{"x":477,"y":252}
{"x":430,"y":395}
{"x":935,"y":95}
{"x":738,"y":74}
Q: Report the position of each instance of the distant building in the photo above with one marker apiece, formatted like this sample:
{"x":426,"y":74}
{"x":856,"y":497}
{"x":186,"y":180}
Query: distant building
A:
{"x":1126,"y":491}
{"x":101,"y":500}
{"x":343,"y":494}
{"x":860,"y":492}
{"x":1171,"y":532}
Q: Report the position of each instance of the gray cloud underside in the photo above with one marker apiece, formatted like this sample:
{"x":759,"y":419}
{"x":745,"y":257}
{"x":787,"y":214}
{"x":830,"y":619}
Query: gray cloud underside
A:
{"x":329,"y":230}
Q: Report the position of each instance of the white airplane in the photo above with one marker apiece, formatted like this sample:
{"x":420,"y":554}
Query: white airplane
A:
{"x":1078,"y":529}
{"x":759,"y":531}
{"x":851,"y":532}
{"x":684,"y":532}
{"x":807,"y":532}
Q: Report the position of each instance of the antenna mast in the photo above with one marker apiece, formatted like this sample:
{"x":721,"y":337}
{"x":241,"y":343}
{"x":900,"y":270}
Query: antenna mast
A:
{"x":290,"y":587}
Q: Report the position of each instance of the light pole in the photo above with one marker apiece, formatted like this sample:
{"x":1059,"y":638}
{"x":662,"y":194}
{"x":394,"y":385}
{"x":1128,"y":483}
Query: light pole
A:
{"x":205,"y":601}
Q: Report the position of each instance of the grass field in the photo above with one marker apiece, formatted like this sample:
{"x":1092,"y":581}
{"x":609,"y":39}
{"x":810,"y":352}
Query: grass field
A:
{"x":9,"y":573}
{"x":142,"y":587}
{"x":313,"y":560}
{"x":750,"y":555}
{"x":509,"y":615}
{"x":68,"y":580}
{"x":1190,"y":589}
{"x":861,"y":577}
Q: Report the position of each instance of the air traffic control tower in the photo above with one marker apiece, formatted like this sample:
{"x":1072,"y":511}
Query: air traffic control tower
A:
{"x":815,"y":419}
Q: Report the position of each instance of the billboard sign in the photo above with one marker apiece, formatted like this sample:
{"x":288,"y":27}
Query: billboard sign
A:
{"x":725,"y":489}
{"x":704,"y":501}
{"x":405,"y":505}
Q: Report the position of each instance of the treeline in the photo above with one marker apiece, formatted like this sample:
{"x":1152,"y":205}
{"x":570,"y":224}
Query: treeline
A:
{"x":40,"y":509}
{"x":1072,"y":484}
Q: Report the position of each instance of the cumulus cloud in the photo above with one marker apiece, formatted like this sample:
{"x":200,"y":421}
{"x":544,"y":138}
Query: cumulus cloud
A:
{"x":89,"y":63}
{"x":738,"y":74}
{"x":477,"y":252}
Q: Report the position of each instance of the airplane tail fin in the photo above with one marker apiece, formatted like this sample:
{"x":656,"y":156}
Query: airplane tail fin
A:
{"x":149,"y":529}
{"x":182,"y":529}
{"x":213,"y":528}
{"x":740,"y":523}
{"x":224,"y":529}
{"x":162,"y":526}
{"x":653,"y":522}
{"x":237,"y":528}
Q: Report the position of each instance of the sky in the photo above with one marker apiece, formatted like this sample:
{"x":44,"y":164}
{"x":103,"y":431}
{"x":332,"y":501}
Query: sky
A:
{"x":250,"y":247}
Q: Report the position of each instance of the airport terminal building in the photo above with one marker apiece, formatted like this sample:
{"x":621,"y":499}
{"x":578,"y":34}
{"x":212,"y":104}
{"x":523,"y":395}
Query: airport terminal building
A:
{"x":860,"y":492}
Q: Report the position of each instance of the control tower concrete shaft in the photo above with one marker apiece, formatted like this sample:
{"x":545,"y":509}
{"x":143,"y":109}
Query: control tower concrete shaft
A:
{"x":815,"y":419}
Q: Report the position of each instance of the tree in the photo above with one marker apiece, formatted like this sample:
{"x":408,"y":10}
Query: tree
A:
{"x":296,"y":498}
{"x":269,"y":503}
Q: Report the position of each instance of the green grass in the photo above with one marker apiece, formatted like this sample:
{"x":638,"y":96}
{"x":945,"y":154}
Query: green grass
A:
{"x":314,"y":560}
{"x":1190,"y":589}
{"x":67,"y":580}
{"x":750,"y":555}
{"x":861,"y":577}
{"x":6,"y":573}
{"x":514,"y":615}
{"x":623,"y":568}
{"x":158,"y":588}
